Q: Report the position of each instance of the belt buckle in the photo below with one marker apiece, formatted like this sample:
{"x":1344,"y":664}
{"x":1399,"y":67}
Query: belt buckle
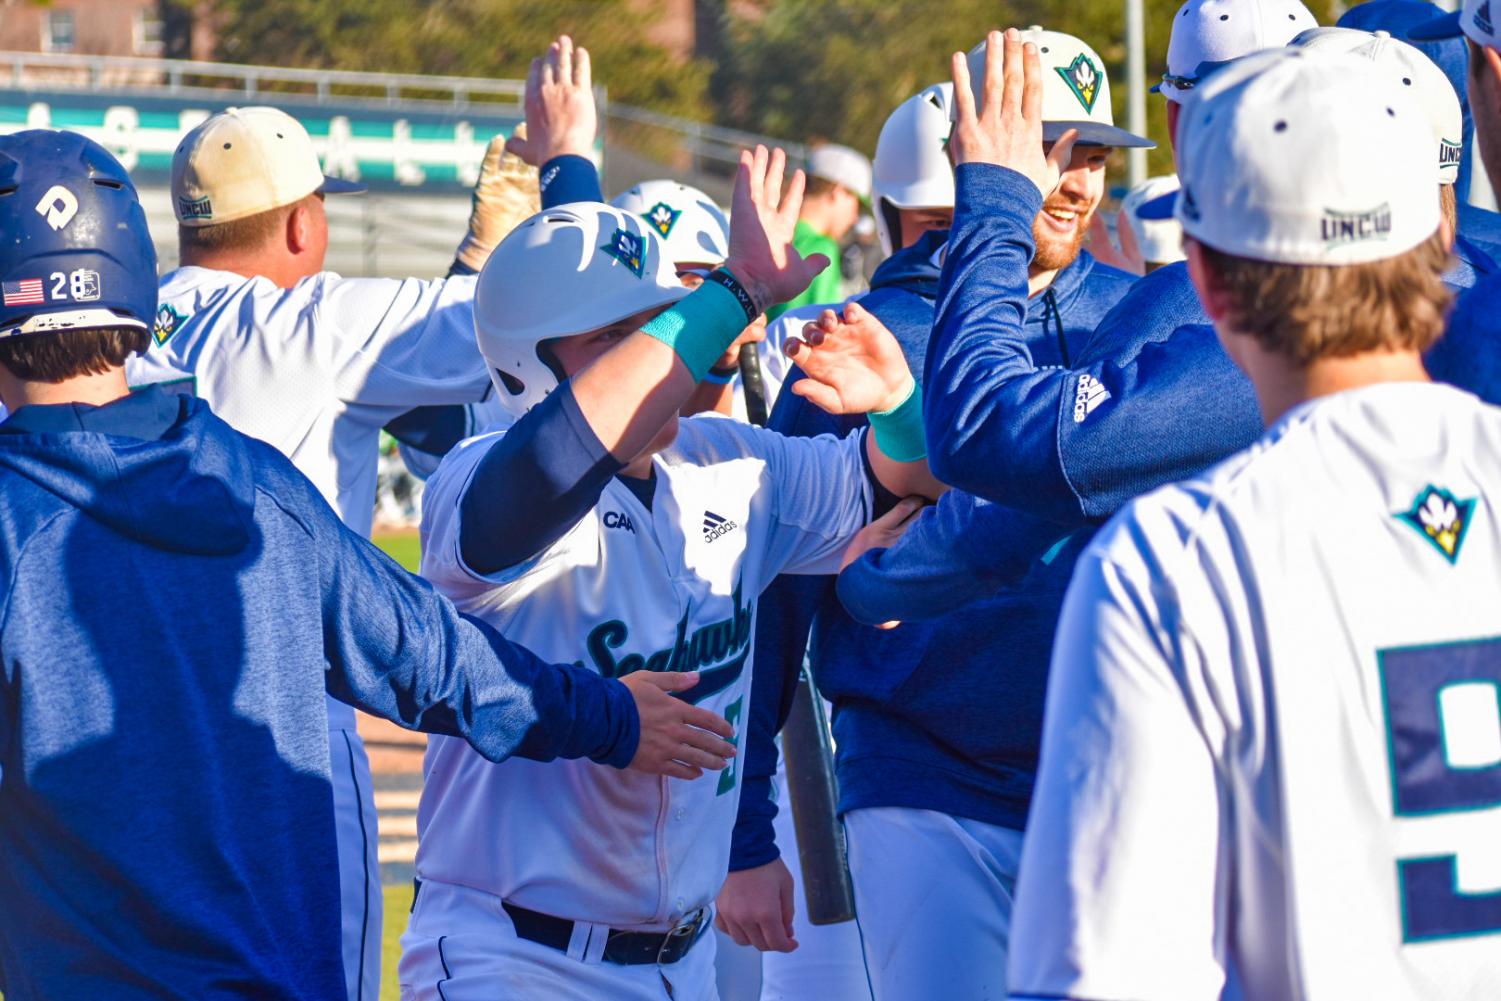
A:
{"x":688,"y":926}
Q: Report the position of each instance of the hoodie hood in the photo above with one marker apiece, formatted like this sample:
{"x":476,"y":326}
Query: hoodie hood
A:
{"x":914,"y":268}
{"x":155,"y":466}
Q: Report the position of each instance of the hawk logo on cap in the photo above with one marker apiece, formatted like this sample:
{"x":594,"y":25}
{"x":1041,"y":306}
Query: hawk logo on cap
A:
{"x":1483,"y":18}
{"x":1339,"y":228}
{"x":1441,"y":518}
{"x":663,"y":217}
{"x":629,"y":249}
{"x":1083,"y":78}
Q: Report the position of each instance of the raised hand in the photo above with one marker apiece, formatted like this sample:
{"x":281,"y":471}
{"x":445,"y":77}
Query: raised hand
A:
{"x":755,"y":907}
{"x":677,"y":739}
{"x":505,"y":195}
{"x":852,"y":363}
{"x":1006,"y":129}
{"x":1128,"y":257}
{"x":560,"y":115}
{"x":762,"y":221}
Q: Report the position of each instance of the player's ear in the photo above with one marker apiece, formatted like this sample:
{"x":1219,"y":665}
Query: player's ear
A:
{"x":299,"y":228}
{"x":1205,"y":281}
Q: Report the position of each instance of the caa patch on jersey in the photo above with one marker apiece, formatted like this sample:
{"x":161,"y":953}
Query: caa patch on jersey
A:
{"x":629,"y":249}
{"x":1441,"y":518}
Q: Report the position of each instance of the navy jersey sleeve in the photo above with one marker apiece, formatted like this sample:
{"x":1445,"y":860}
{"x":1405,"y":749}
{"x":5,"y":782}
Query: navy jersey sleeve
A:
{"x":566,"y":179}
{"x":399,"y":650}
{"x":1067,"y":445}
{"x":533,"y":485}
{"x":960,"y":550}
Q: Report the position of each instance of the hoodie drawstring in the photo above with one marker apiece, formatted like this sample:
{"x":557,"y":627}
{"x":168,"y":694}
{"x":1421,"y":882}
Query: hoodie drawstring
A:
{"x":1053,"y":313}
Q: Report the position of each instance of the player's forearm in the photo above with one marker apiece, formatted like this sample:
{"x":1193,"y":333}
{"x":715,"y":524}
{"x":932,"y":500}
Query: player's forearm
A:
{"x":991,"y":414}
{"x":897,"y":451}
{"x":963,"y":549}
{"x":711,"y":397}
{"x":419,"y":663}
{"x":630,"y":393}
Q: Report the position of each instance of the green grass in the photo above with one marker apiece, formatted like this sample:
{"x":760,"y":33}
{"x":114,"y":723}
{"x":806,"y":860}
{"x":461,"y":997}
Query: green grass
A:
{"x":398,"y":903}
{"x":403,"y":547}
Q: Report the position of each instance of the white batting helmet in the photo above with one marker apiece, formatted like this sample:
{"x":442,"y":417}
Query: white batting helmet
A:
{"x":566,"y":270}
{"x":912,"y":169}
{"x":694,"y":228}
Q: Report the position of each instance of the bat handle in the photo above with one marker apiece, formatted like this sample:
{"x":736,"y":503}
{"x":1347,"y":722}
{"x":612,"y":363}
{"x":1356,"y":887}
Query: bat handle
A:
{"x":753,"y":385}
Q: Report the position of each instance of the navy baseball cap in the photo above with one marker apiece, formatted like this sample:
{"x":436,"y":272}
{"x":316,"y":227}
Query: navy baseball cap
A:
{"x":1474,"y":20}
{"x":1161,"y":207}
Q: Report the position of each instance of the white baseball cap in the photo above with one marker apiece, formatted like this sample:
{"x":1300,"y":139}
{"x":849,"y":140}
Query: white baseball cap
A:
{"x":243,"y":162}
{"x":1414,"y":71}
{"x":1303,"y":157}
{"x":912,"y":168}
{"x":694,"y":228}
{"x":1474,"y":20}
{"x":1209,"y":33}
{"x":1160,"y":239}
{"x":1075,"y":90}
{"x":843,"y":166}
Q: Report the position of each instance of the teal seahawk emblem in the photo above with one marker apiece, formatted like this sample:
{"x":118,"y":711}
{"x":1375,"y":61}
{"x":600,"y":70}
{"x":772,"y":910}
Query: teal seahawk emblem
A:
{"x":629,"y":249}
{"x":1083,"y":78}
{"x":167,"y":322}
{"x":1441,"y":518}
{"x":663,"y":217}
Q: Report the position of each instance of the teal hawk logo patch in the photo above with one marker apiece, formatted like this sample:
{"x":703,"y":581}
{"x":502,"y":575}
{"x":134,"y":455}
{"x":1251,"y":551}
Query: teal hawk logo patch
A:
{"x":1083,"y":78}
{"x":1441,"y":518}
{"x":663,"y":217}
{"x":167,"y":322}
{"x":629,"y":249}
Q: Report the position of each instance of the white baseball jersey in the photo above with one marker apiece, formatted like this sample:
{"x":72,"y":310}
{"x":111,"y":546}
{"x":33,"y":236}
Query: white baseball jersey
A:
{"x":672,"y":588}
{"x":318,"y":369}
{"x":1271,"y":761}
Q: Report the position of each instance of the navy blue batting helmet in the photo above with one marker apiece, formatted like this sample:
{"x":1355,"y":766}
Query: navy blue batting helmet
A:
{"x":76,"y":252}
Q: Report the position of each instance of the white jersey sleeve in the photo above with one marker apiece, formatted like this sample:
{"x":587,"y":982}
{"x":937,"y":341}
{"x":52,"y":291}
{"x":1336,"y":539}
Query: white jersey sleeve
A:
{"x":1117,"y":891}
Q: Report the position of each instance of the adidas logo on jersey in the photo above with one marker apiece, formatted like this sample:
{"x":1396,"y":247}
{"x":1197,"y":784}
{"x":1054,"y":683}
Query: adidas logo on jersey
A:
{"x":715,"y":526}
{"x":1091,"y":392}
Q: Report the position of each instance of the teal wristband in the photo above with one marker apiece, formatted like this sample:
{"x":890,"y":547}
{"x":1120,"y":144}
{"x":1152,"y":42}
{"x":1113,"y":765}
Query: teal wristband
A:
{"x":899,"y":431}
{"x":700,"y":327}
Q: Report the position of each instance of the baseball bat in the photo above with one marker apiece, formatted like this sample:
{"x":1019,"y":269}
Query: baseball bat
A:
{"x":808,"y":759}
{"x":753,"y":385}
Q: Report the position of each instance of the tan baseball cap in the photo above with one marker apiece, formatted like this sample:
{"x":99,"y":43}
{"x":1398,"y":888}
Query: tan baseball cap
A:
{"x":245,"y":161}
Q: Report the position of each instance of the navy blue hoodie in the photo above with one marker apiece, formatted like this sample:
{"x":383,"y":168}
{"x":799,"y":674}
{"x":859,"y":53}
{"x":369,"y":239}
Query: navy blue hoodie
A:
{"x":175,"y":599}
{"x":941,"y":715}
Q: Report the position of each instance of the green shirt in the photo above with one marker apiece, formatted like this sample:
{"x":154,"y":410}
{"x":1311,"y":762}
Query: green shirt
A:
{"x":825,"y":287}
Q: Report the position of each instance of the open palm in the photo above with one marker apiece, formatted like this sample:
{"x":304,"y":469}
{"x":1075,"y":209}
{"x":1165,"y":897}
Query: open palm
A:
{"x":852,"y":363}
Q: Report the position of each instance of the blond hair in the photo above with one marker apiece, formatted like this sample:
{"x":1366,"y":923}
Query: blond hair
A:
{"x":1305,"y":312}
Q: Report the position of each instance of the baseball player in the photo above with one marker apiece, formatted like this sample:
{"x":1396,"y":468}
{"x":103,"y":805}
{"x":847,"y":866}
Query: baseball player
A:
{"x":1270,"y":763}
{"x":310,"y":362}
{"x":178,"y":598}
{"x":839,"y":181}
{"x":935,"y":747}
{"x":605,"y":529}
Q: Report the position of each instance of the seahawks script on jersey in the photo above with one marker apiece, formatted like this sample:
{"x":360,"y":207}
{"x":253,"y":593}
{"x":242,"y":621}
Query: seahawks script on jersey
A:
{"x":1272,"y":751}
{"x":672,"y":588}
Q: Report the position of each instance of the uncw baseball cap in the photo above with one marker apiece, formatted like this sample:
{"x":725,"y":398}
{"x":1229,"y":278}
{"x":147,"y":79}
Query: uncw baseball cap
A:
{"x":1303,"y":157}
{"x":1075,"y":90}
{"x":1414,"y":72}
{"x":1474,"y":20}
{"x":1209,"y":33}
{"x":243,"y":162}
{"x":1159,"y":239}
{"x":843,"y":166}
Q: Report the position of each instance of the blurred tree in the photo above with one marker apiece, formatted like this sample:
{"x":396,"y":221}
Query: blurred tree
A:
{"x":487,"y":38}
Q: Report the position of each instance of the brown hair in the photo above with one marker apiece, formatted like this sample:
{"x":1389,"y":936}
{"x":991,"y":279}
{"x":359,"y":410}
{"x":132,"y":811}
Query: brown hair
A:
{"x":66,"y":354}
{"x":1305,"y":312}
{"x":249,"y":233}
{"x":819,"y":187}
